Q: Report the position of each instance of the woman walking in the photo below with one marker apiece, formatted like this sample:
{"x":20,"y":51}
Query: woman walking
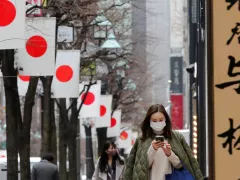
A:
{"x":110,"y":165}
{"x":159,"y":151}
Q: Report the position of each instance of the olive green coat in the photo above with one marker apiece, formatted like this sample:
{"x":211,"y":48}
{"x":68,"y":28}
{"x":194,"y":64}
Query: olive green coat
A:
{"x":137,"y":165}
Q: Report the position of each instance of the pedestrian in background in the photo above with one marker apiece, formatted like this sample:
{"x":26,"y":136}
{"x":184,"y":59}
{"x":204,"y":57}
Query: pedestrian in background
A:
{"x":110,"y":164}
{"x":153,"y":159}
{"x":45,"y":169}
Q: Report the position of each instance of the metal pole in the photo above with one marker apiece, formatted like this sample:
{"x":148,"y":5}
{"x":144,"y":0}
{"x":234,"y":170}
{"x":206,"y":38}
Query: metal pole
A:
{"x":192,"y":51}
{"x":210,"y":88}
{"x":78,"y":155}
{"x":201,"y":86}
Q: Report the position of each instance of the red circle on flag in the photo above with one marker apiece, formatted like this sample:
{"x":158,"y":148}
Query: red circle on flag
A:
{"x":113,"y":122}
{"x":24,"y":78}
{"x":124,"y":135}
{"x":64,"y":73}
{"x":36,"y":46}
{"x":89,"y":99}
{"x":7,"y":12}
{"x":103,"y":110}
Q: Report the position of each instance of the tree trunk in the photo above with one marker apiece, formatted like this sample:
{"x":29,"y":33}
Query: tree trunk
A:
{"x":63,"y":140}
{"x":24,"y":146}
{"x":102,"y":137}
{"x":72,"y":154}
{"x":89,"y":152}
{"x":46,"y":138}
{"x":53,"y":132}
{"x":13,"y":113}
{"x":42,"y":114}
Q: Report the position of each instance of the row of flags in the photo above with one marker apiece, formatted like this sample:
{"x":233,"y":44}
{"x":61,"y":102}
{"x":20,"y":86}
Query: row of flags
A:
{"x":65,"y":82}
{"x":126,"y":139}
{"x":95,"y":106}
{"x":34,"y":40}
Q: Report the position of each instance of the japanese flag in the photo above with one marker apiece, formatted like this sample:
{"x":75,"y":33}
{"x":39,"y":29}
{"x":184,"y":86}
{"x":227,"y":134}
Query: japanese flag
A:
{"x":23,"y":82}
{"x":66,"y":79}
{"x":12,"y":24}
{"x":90,"y":108}
{"x":114,"y":129}
{"x":125,"y":139}
{"x":134,"y":137}
{"x":105,"y":112}
{"x":37,"y":58}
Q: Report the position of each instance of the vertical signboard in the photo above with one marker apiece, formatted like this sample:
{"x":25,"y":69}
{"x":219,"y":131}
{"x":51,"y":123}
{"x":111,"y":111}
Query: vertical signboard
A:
{"x":177,"y":111}
{"x":226,"y":94}
{"x":177,"y":75}
{"x":177,"y":92}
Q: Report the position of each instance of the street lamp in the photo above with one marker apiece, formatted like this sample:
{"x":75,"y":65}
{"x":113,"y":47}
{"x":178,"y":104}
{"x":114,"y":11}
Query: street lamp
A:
{"x":101,"y":25}
{"x":111,"y":43}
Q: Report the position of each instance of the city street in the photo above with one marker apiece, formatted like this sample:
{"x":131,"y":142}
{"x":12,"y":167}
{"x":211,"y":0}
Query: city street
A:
{"x":119,"y":90}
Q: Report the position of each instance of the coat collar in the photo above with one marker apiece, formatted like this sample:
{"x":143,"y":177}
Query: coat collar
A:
{"x":119,"y":170}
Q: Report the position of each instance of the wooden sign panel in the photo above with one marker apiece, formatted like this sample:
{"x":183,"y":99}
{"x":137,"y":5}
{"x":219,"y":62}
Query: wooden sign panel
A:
{"x":226,"y":95}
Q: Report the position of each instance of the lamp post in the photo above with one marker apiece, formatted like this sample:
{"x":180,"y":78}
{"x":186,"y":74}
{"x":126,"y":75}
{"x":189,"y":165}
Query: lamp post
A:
{"x":111,"y":42}
{"x":106,"y":40}
{"x":101,"y":26}
{"x":112,"y":45}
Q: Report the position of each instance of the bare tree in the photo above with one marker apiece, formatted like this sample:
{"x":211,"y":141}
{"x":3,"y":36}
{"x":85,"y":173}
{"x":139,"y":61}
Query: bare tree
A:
{"x":24,"y":129}
{"x":79,"y":15}
{"x":13,"y":112}
{"x":47,"y":121}
{"x":68,"y":129}
{"x":63,"y":138}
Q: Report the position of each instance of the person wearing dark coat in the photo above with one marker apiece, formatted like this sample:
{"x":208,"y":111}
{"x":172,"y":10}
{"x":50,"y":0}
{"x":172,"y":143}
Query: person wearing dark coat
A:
{"x":45,"y":169}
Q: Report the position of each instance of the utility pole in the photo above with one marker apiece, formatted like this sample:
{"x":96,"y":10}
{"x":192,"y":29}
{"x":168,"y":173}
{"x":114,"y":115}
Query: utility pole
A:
{"x":201,"y":85}
{"x":192,"y":11}
{"x":197,"y":55}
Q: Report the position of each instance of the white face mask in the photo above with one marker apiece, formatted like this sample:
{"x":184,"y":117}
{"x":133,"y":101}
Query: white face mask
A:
{"x":157,"y":126}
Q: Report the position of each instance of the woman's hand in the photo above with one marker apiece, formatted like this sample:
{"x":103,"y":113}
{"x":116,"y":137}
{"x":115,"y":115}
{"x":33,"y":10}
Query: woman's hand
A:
{"x":167,"y":149}
{"x":157,"y":144}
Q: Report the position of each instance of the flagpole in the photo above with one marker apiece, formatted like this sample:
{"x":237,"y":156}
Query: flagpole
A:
{"x":78,"y":155}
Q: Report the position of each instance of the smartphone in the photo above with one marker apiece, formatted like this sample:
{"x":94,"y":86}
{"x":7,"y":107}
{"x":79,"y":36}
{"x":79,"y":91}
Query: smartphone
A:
{"x":159,"y":138}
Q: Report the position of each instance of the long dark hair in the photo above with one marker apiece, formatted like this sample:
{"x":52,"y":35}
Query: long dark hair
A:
{"x":104,"y":157}
{"x":145,"y":126}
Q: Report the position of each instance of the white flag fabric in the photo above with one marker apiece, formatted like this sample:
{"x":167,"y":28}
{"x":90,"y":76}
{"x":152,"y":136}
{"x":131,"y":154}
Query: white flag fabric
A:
{"x":125,"y":139}
{"x":90,"y":108}
{"x":114,"y":129}
{"x":134,"y":137}
{"x":12,"y":24}
{"x":38,"y":56}
{"x":66,"y":79}
{"x":23,"y":82}
{"x":105,"y":112}
{"x":168,"y":109}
